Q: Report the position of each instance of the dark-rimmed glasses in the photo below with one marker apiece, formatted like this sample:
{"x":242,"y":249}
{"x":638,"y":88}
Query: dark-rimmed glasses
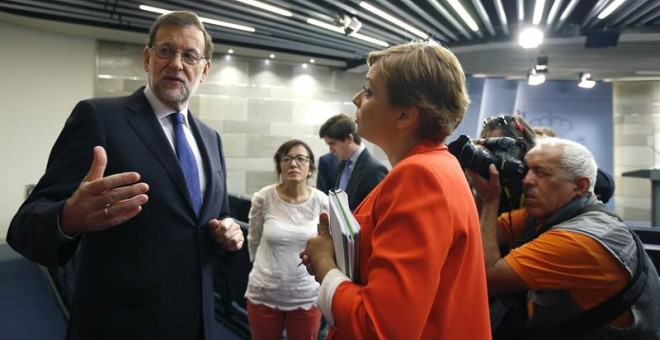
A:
{"x":166,"y":52}
{"x":300,"y":159}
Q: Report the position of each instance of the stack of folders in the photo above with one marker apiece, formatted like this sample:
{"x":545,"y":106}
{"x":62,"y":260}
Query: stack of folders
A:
{"x":344,"y":229}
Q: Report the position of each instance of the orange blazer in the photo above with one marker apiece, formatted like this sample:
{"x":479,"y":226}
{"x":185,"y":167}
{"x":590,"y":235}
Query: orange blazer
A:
{"x":421,"y":262}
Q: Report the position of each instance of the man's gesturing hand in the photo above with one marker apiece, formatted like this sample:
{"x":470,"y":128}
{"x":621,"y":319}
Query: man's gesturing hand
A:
{"x":103,"y":202}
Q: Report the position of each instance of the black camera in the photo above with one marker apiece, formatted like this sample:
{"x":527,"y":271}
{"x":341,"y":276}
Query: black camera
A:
{"x":505,"y":152}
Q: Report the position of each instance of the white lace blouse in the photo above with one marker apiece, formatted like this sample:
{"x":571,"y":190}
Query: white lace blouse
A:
{"x":277,"y":234}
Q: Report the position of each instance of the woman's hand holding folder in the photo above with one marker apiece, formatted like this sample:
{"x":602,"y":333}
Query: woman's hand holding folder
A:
{"x":319,"y":254}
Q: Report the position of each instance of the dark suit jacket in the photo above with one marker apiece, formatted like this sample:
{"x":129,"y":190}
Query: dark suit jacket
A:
{"x":150,"y":277}
{"x":367,"y":173}
{"x":328,"y":172}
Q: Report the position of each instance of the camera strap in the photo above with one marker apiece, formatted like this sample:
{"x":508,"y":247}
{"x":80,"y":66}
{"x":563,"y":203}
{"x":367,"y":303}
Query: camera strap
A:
{"x":616,"y":304}
{"x":609,"y":309}
{"x":570,"y":210}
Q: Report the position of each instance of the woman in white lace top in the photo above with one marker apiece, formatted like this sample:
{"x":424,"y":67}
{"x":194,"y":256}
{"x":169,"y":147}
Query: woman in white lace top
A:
{"x":280,"y":294}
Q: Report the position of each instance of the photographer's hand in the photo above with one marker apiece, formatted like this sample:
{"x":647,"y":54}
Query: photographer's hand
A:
{"x":488,"y":190}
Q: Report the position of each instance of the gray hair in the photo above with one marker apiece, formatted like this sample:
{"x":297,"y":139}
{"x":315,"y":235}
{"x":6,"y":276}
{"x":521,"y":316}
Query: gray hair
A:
{"x":576,"y":161}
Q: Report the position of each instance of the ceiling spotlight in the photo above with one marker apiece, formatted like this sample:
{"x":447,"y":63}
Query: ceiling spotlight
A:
{"x":535,"y":77}
{"x":530,"y":37}
{"x":341,"y":30}
{"x":586,"y":82}
{"x":541,"y":64}
{"x":350,"y":24}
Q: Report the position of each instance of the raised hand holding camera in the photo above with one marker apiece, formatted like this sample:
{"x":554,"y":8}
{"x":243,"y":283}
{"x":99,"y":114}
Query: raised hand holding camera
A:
{"x":505,"y":152}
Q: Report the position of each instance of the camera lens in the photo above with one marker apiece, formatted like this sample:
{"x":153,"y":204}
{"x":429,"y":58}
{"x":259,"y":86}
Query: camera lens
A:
{"x":511,"y":170}
{"x":501,"y":151}
{"x":477,"y":159}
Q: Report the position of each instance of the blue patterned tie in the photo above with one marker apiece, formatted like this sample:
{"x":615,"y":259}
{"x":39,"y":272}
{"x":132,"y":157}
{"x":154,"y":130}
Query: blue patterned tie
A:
{"x":187,"y":161}
{"x":345,"y":174}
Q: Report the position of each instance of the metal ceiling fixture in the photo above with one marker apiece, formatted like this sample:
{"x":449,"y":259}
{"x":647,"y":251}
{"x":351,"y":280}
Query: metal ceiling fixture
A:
{"x":475,"y":30}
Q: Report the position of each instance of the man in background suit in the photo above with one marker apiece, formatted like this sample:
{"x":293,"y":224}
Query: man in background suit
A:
{"x":362,"y":171}
{"x":115,"y":190}
{"x":327,"y":172}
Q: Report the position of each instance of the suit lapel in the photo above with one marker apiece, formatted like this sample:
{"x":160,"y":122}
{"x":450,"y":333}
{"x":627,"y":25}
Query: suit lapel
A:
{"x":356,"y":173}
{"x":145,"y":124}
{"x":204,"y":141}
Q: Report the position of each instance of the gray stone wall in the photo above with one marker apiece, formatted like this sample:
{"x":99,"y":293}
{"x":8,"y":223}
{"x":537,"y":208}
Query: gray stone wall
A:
{"x":256,"y":105}
{"x":636,"y":145}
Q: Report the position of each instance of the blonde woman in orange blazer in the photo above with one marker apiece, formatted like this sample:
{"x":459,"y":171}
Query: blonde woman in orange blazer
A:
{"x":420,"y":256}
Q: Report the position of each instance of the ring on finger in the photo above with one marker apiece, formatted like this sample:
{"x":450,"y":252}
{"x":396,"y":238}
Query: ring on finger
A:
{"x":107,"y":213}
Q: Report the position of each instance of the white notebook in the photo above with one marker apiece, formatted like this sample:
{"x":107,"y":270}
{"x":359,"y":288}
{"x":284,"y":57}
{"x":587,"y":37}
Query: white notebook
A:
{"x":344,"y":229}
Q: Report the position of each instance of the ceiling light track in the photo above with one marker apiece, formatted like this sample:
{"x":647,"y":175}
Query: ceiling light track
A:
{"x":610,"y":8}
{"x":554,"y":10}
{"x":202,"y":19}
{"x":375,"y":10}
{"x":445,"y":13}
{"x":624,"y":13}
{"x":538,"y":12}
{"x":405,"y":16}
{"x":444,"y":32}
{"x":502,"y":15}
{"x":566,"y":13}
{"x":481,"y":11}
{"x":267,"y":7}
{"x":467,"y":19}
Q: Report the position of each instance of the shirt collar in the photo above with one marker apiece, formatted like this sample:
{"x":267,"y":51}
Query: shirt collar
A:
{"x":161,"y":110}
{"x":357,"y":153}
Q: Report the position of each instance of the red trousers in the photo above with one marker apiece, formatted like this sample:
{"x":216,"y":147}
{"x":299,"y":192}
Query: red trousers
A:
{"x":268,"y":323}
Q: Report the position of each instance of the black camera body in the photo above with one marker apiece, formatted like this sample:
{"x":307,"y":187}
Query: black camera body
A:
{"x":505,"y":152}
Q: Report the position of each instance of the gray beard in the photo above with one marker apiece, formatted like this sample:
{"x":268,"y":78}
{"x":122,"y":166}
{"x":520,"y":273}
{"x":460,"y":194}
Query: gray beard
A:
{"x":178,"y":99}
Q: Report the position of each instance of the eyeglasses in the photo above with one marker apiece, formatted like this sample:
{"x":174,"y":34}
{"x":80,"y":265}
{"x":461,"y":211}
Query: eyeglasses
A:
{"x":166,"y":52}
{"x":300,"y":159}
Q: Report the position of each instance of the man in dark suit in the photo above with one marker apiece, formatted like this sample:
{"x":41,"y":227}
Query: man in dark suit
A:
{"x":359,"y":172}
{"x":148,"y":228}
{"x":327,"y":172}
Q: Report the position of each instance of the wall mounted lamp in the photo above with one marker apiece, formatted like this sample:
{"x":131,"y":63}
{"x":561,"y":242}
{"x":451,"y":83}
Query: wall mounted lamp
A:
{"x":535,"y":77}
{"x":586,"y":82}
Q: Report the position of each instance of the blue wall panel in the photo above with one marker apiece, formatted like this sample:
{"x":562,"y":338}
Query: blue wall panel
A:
{"x":582,"y":115}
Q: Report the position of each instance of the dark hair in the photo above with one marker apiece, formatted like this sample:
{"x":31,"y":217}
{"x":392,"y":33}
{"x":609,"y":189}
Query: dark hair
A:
{"x":181,"y":19}
{"x":511,"y":126}
{"x":284,"y":149}
{"x":339,"y":127}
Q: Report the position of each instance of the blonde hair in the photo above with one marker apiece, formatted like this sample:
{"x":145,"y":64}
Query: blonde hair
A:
{"x":427,"y":76}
